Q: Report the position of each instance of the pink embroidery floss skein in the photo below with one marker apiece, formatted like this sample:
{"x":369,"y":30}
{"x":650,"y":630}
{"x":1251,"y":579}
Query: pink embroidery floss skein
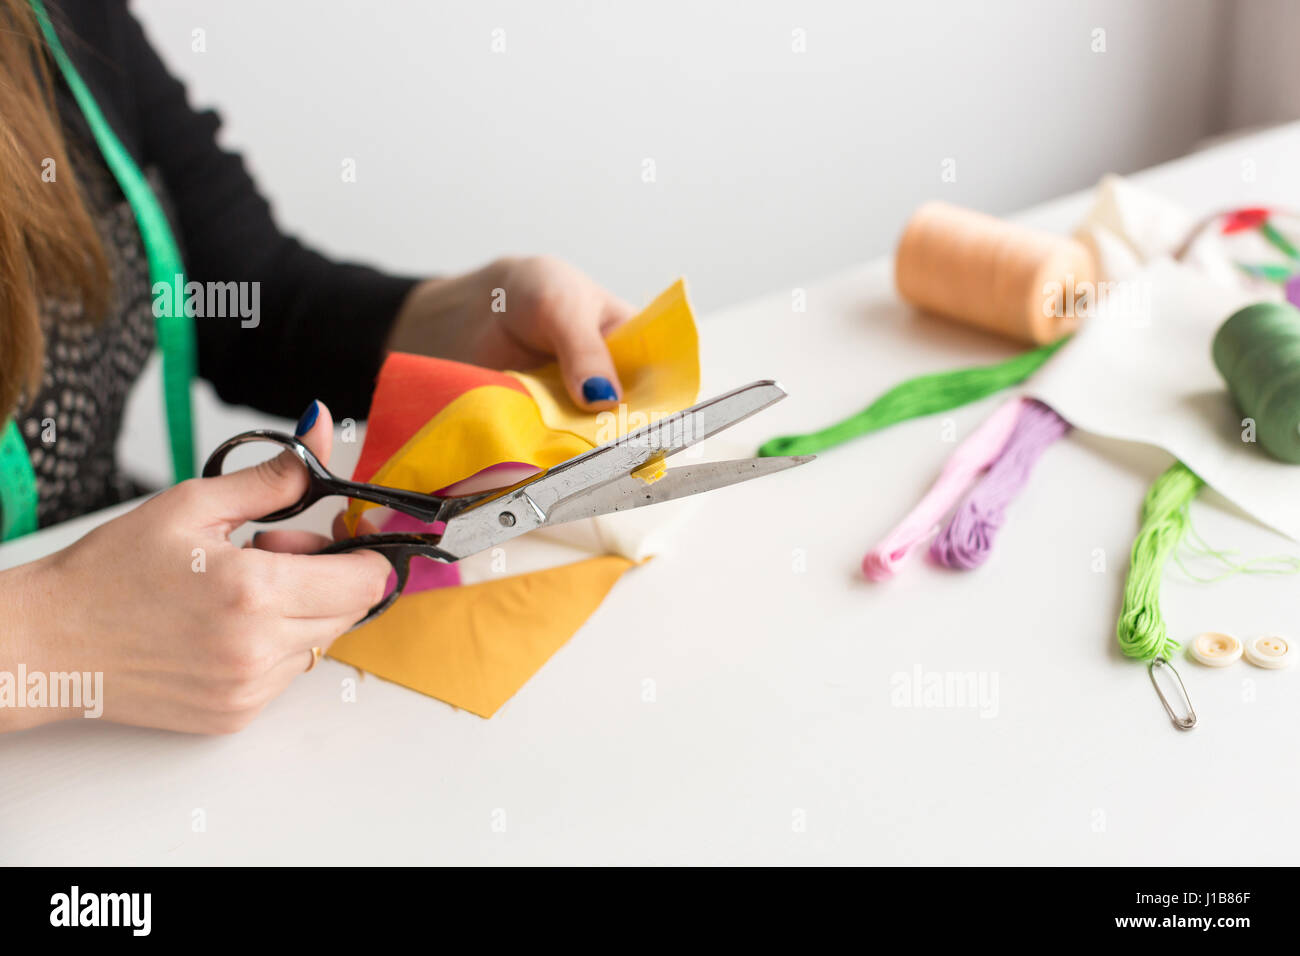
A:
{"x":972,"y":456}
{"x":967,"y":541}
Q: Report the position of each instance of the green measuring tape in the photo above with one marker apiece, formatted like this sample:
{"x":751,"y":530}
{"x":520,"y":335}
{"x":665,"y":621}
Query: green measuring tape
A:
{"x":17,"y":485}
{"x":18,"y":495}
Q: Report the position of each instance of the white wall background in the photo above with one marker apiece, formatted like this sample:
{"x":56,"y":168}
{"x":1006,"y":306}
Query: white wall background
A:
{"x":772,"y":166}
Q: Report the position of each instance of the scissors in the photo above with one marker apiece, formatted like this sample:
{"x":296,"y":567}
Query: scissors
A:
{"x":593,"y":483}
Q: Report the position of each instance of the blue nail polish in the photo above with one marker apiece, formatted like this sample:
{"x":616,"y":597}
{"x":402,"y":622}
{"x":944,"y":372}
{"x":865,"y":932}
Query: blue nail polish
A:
{"x":598,"y":389}
{"x":308,"y":419}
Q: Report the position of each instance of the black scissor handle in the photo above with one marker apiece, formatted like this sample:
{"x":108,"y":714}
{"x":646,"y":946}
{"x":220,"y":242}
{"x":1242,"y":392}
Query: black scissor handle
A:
{"x":321,"y":483}
{"x":399,"y":549}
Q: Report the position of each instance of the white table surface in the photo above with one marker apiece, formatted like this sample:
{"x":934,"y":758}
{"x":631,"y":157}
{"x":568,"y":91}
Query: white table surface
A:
{"x":771,"y":736}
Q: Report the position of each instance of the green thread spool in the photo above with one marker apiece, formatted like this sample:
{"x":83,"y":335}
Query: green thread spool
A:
{"x":1257,"y":351}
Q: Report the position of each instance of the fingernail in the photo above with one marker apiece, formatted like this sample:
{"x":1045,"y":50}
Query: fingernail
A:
{"x":598,"y":389}
{"x":308,"y":419}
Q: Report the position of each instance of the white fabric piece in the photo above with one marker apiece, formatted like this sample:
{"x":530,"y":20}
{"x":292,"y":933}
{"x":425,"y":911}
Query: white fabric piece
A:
{"x":1129,"y":227}
{"x":1145,"y":225}
{"x":1146,"y":374}
{"x":1114,"y":257}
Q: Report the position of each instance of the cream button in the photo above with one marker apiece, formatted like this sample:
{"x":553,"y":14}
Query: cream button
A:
{"x":1271,"y":652}
{"x":1214,"y":649}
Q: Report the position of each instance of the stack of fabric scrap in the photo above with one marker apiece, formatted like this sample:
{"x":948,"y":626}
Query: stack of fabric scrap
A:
{"x":473,"y":636}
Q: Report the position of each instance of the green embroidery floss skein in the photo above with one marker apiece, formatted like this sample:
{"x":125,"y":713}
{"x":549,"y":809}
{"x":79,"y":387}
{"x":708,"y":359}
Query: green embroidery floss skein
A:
{"x":923,"y":395}
{"x":1257,"y":351}
{"x":1141,"y":629}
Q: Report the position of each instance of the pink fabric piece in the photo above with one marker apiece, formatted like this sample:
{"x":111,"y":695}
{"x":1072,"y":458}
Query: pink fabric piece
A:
{"x":980,"y":449}
{"x":501,"y":475}
{"x":426,"y":575}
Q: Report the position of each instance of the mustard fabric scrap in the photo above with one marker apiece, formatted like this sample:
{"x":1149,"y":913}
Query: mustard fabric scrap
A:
{"x":474,"y":646}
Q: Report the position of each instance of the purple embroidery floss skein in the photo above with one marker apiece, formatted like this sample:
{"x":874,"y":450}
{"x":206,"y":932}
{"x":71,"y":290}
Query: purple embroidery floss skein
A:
{"x":967,"y":540}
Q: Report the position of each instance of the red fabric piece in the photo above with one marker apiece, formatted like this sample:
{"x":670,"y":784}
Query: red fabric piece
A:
{"x":1239,"y":220}
{"x":410,"y":391}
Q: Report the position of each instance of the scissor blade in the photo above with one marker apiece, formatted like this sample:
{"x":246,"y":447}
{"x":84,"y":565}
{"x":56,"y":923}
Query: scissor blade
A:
{"x":628,"y":493}
{"x":683,"y":429}
{"x":616,"y":459}
{"x":491,"y":520}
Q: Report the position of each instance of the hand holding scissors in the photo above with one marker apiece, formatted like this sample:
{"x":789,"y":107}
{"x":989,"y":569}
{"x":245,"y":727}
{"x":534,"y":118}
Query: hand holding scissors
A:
{"x":593,"y":483}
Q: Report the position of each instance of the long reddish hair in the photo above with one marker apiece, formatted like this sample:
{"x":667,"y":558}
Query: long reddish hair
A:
{"x":48,"y":242}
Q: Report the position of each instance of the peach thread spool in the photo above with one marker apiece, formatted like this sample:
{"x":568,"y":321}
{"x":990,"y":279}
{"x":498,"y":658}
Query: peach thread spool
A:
{"x":1018,"y":282}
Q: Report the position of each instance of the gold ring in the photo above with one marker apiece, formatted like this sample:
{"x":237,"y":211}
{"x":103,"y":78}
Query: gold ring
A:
{"x":315,"y":656}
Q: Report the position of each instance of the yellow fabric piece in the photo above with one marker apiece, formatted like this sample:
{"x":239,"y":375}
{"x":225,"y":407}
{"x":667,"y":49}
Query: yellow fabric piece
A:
{"x":652,"y":470}
{"x":474,"y":646}
{"x":477,"y":430}
{"x":657,"y":355}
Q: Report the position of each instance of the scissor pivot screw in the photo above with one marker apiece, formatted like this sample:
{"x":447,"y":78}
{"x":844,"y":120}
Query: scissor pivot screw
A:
{"x":507,"y":519}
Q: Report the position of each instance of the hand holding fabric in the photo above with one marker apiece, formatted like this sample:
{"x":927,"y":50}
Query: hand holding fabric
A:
{"x":519,"y":313}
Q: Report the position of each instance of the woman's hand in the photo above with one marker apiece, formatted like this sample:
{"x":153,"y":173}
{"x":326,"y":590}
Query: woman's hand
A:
{"x":519,"y":314}
{"x":190,"y":631}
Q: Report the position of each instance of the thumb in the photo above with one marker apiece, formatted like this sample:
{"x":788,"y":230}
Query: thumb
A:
{"x":276,"y":483}
{"x":585,"y":363}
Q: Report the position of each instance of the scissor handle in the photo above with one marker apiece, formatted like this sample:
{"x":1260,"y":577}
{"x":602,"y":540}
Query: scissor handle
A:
{"x":399,"y":549}
{"x":322,"y":483}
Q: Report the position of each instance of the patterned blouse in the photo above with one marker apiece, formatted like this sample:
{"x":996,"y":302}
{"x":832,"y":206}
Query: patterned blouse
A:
{"x":71,"y":427}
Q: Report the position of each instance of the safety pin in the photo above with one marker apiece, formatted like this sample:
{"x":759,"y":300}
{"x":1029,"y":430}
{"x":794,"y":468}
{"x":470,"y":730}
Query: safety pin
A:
{"x":1182,"y":723}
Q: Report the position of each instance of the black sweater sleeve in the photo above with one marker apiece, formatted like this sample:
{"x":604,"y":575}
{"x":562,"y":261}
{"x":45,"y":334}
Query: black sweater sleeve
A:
{"x":322,"y":323}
